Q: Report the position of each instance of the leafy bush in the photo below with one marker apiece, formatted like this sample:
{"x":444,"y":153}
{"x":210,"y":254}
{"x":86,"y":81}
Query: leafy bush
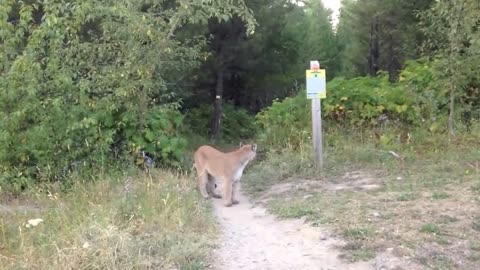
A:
{"x":237,"y":123}
{"x":285,"y":123}
{"x":163,"y":137}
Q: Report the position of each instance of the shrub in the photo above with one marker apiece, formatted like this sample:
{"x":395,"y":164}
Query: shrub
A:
{"x":415,"y":101}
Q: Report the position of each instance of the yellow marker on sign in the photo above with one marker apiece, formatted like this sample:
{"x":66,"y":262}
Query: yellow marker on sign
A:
{"x":316,"y":83}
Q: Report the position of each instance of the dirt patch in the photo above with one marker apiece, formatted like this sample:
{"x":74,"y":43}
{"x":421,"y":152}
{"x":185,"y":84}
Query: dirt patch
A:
{"x":390,"y":260}
{"x":441,"y":231}
{"x":355,"y":180}
{"x":17,"y":206}
{"x":294,"y":186}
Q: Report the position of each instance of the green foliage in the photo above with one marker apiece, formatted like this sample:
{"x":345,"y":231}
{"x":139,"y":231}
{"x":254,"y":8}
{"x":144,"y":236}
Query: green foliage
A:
{"x":86,"y":83}
{"x":163,"y":136}
{"x":362,"y":100}
{"x":454,"y":43}
{"x":430,"y":228}
{"x":237,"y":123}
{"x":417,"y":100}
{"x":285,"y":123}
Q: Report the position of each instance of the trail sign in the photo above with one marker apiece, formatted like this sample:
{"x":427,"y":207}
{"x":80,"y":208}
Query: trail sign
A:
{"x":316,"y":83}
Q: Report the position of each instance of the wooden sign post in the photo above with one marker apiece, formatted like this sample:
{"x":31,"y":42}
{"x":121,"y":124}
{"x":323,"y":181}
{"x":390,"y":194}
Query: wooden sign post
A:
{"x":316,"y":90}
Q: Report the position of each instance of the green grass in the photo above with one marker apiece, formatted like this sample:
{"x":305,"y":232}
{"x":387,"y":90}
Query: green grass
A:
{"x":430,"y":228}
{"x":407,"y":196}
{"x":440,"y":195}
{"x":134,"y":222}
{"x":358,"y":233}
{"x":356,"y":252}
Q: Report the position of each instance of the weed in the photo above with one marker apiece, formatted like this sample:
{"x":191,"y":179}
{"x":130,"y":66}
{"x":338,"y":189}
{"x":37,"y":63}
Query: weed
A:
{"x":355,"y":251}
{"x":436,"y":261}
{"x":476,"y":188}
{"x":407,"y":196}
{"x":444,"y":219}
{"x":440,"y":195}
{"x":442,"y":240}
{"x":474,"y":245}
{"x":358,"y":233}
{"x":430,"y":228}
{"x":476,"y":223}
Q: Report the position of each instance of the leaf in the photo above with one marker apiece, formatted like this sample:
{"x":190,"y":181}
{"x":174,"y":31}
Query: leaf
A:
{"x":401,"y":109}
{"x":149,"y":135}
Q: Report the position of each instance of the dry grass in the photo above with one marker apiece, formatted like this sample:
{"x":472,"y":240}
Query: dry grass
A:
{"x":128,"y":223}
{"x":426,"y":210}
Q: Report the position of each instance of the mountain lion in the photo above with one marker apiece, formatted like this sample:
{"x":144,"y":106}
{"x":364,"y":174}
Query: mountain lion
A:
{"x":212,"y":165}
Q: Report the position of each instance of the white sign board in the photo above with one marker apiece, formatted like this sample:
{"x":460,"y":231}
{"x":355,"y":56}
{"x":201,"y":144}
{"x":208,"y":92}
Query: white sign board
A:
{"x":316,"y":84}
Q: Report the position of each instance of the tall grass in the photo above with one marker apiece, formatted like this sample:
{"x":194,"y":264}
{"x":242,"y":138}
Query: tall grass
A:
{"x":134,"y":222}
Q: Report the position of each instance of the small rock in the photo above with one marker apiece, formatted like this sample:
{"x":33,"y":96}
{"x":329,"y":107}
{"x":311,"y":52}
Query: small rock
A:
{"x":376,"y":214}
{"x":399,"y":178}
{"x":323,"y":237}
{"x":33,"y":222}
{"x":307,"y":196}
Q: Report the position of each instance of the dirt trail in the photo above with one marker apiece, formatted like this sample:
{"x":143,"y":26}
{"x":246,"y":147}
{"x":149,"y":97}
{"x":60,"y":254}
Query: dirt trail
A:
{"x":253,"y":239}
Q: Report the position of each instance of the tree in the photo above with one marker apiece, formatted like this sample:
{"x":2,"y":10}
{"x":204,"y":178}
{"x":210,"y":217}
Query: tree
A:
{"x":385,"y":35}
{"x":453,"y":29}
{"x":250,"y":71}
{"x":319,"y":42}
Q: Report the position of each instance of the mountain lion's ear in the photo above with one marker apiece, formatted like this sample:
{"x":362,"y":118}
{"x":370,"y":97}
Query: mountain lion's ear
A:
{"x":241,"y":144}
{"x":254,"y":147}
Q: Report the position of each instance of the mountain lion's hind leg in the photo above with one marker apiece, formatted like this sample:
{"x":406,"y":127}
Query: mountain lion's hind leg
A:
{"x":211,"y":187}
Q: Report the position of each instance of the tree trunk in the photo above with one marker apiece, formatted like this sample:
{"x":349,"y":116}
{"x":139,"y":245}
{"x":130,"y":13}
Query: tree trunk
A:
{"x":393,"y":63}
{"x":217,"y":113}
{"x":451,"y":115}
{"x":374,"y":52}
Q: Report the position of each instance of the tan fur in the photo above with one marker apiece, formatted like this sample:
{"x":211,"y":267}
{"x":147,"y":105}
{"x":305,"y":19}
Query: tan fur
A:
{"x":213,"y":165}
